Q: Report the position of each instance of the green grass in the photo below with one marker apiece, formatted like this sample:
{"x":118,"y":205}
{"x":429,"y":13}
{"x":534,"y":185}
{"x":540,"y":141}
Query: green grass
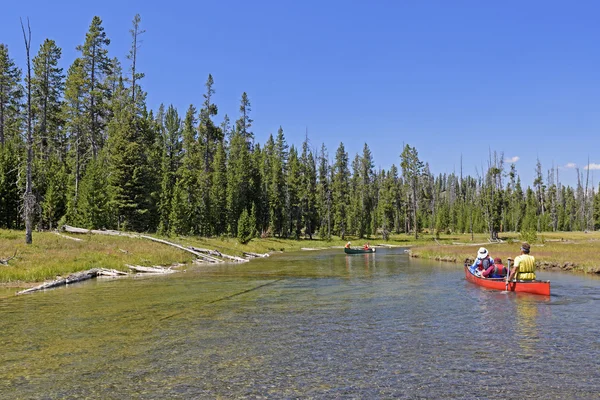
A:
{"x":556,"y":248}
{"x":51,"y":255}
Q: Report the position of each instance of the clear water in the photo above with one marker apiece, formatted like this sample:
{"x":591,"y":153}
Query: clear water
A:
{"x":303,"y":325}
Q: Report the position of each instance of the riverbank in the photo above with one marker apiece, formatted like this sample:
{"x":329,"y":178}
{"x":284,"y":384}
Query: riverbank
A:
{"x":565,"y":251}
{"x":53,"y":254}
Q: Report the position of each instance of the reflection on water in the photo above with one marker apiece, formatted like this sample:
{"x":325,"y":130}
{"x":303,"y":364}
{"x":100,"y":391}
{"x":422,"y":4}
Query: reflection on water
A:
{"x":303,"y":325}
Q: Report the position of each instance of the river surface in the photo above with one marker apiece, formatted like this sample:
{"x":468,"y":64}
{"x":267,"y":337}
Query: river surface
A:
{"x":317,"y":325}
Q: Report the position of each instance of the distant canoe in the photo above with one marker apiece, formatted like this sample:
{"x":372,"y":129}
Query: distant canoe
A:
{"x":535,"y":287}
{"x":358,"y":250}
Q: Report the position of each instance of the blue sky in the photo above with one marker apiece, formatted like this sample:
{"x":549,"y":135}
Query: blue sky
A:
{"x":448,"y":77}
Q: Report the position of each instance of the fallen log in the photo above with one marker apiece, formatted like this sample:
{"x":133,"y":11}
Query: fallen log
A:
{"x":111,"y":272}
{"x":219,"y":254}
{"x":196,"y":253}
{"x":250,"y":254}
{"x":72,"y":278}
{"x":73,"y":229}
{"x":67,"y":237}
{"x":152,"y":270}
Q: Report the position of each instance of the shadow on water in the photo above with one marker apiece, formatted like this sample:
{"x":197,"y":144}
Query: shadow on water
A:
{"x":303,"y":325}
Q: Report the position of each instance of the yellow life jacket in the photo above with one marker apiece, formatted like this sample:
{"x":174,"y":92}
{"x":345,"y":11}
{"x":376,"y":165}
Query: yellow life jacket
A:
{"x":526,"y":264}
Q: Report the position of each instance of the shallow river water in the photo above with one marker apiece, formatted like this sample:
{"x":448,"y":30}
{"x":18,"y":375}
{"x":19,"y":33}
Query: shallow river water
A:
{"x":303,"y":325}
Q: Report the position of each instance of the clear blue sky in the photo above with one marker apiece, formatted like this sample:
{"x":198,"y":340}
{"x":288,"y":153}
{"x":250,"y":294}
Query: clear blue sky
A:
{"x":448,"y":77}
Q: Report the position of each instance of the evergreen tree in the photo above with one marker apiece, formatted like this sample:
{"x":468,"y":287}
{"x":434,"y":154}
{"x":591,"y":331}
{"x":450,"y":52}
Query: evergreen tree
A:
{"x":341,"y":191}
{"x":11,"y":93}
{"x":277,"y":190}
{"x":244,"y":123}
{"x":78,"y":146}
{"x":208,"y":137}
{"x":293,"y":183}
{"x":94,"y":200}
{"x":183,"y":219}
{"x":170,"y":127}
{"x":308,"y":188}
{"x":54,"y":204}
{"x":324,"y":195}
{"x":130,"y":175}
{"x":47,"y":91}
{"x":11,"y":191}
{"x":412,"y":169}
{"x":367,"y":184}
{"x":96,"y":67}
{"x":219,"y":191}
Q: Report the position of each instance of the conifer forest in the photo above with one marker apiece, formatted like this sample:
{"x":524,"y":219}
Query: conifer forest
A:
{"x":79,"y":146}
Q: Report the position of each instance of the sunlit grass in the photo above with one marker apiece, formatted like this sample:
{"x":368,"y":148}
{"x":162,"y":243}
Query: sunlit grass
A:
{"x":580,"y":249}
{"x":51,"y":255}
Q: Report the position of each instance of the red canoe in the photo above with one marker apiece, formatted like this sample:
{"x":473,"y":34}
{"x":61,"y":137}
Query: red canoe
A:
{"x":535,"y":287}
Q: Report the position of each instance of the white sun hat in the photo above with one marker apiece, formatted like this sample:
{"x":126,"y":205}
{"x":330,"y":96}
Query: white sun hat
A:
{"x":482,"y":253}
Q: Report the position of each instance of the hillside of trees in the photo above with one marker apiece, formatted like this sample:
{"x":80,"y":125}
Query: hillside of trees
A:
{"x":101,"y":159}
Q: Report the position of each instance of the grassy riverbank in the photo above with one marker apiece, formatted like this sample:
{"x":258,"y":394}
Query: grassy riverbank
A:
{"x":51,"y":255}
{"x":557,"y":250}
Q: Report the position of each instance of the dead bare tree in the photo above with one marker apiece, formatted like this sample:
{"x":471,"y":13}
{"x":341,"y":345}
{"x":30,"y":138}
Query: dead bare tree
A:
{"x":4,"y":261}
{"x":28,"y":198}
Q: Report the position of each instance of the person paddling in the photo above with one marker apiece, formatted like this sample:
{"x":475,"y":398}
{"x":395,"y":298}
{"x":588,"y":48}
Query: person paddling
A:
{"x":524,"y":266}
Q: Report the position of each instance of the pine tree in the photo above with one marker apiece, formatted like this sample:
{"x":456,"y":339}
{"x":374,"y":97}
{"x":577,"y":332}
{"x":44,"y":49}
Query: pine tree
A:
{"x":48,"y":130}
{"x":238,"y":181}
{"x":308,"y":188}
{"x":78,"y":147}
{"x":94,"y":200}
{"x":366,"y":196}
{"x":324,"y":195}
{"x":293,"y":182}
{"x":183,"y":219}
{"x":341,"y":192}
{"x":412,"y":169}
{"x":54,"y":204}
{"x":96,"y":67}
{"x":11,"y":191}
{"x":277,"y":191}
{"x":130,"y":175}
{"x":244,"y":123}
{"x":47,"y":90}
{"x":11,"y":93}
{"x":208,"y":137}
{"x":219,"y":191}
{"x":170,"y":128}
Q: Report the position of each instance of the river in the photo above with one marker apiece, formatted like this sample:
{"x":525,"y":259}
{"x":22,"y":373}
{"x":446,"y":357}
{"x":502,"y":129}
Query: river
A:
{"x":303,"y":325}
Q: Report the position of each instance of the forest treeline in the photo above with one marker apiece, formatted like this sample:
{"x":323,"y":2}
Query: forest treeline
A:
{"x":101,"y":159}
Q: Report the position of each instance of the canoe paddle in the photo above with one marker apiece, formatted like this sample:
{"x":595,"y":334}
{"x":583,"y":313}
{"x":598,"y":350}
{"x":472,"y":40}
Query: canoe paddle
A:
{"x":507,"y":275}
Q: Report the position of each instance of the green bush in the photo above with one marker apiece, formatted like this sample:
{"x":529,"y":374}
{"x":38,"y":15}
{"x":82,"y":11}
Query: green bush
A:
{"x":529,"y":236}
{"x":245,"y":228}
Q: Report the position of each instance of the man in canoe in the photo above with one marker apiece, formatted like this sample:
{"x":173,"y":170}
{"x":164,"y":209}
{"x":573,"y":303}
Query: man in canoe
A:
{"x":496,"y":270}
{"x":524,"y":267}
{"x":348,"y":245}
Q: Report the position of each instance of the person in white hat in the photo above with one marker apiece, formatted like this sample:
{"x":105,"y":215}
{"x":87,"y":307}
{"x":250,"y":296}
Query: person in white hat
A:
{"x":482,"y":262}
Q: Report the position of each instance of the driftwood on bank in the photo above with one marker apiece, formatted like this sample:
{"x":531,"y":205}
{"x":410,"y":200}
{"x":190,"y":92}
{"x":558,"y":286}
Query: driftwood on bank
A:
{"x":253,"y":255}
{"x":92,"y":273}
{"x":210,"y":256}
{"x":151,"y":270}
{"x":76,"y":277}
